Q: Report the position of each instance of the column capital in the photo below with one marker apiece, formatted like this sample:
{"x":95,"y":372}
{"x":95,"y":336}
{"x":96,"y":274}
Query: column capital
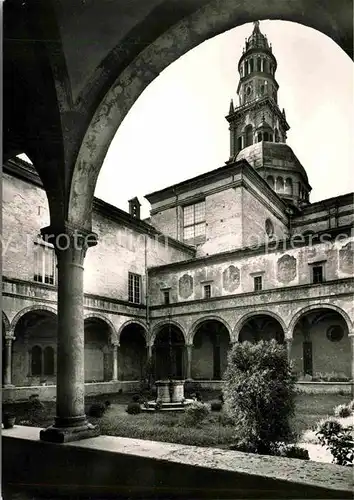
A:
{"x":9,"y":339}
{"x":69,"y":239}
{"x":115,"y":344}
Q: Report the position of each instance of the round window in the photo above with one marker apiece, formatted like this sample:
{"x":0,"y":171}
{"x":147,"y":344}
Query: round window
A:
{"x":335,"y":333}
{"x":269,"y":227}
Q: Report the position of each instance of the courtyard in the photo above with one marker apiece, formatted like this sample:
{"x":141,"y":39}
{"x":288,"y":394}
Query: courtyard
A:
{"x":216,"y":431}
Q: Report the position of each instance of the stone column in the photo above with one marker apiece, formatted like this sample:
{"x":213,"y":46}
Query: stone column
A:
{"x":70,"y":422}
{"x":351,"y":340}
{"x":189,"y":348}
{"x":7,"y":369}
{"x":115,"y":364}
{"x":288,"y":342}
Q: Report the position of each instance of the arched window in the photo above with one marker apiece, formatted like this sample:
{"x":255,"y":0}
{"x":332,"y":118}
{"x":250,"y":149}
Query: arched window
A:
{"x":259,"y":137}
{"x":276,"y":135}
{"x":259,"y":64}
{"x":289,"y":186}
{"x":262,"y":89}
{"x":271,"y":137}
{"x":48,"y":361}
{"x":279,"y":187}
{"x":239,"y":143}
{"x":270,"y":180}
{"x":36,"y":360}
{"x":266,"y":136}
{"x":249,"y":135}
{"x":246,"y":68}
{"x":251,"y":65}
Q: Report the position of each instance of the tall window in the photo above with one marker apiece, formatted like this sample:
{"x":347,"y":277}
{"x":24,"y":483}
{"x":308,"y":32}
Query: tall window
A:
{"x":36,"y":361}
{"x":48,"y":361}
{"x":317,"y":274}
{"x":257,"y":283}
{"x":166,"y":297}
{"x":44,"y":264}
{"x":249,"y":135}
{"x":207,"y":291}
{"x":134,"y":285}
{"x":194,"y":222}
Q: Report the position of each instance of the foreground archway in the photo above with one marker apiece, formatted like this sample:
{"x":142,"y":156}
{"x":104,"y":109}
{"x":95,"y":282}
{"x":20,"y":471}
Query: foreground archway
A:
{"x":132,"y":352}
{"x":321,"y":349}
{"x":210,"y":347}
{"x":169,"y":353}
{"x":261,"y":327}
{"x":34,"y":350}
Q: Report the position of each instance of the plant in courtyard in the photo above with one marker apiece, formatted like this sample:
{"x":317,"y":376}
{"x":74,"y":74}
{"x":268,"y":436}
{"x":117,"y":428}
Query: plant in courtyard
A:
{"x":133,"y":408}
{"x":196,"y":413}
{"x":259,"y":394}
{"x":351,"y":406}
{"x":338,"y":440}
{"x":342,"y":411}
{"x":97,"y":410}
{"x":216,"y":405}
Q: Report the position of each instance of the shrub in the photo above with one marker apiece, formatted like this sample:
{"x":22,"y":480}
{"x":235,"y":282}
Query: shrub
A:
{"x":133,"y":408}
{"x":351,"y":405}
{"x":196,"y":413}
{"x":259,"y":393}
{"x":339,"y":441}
{"x":97,"y":410}
{"x":136,"y":398}
{"x":293,"y":451}
{"x":216,"y":405}
{"x":342,"y":411}
{"x":34,"y":403}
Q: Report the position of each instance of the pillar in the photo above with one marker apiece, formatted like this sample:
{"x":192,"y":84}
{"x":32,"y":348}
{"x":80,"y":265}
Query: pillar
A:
{"x":115,"y":354}
{"x":288,"y":343}
{"x":7,"y":369}
{"x":189,"y":348}
{"x":70,"y":423}
{"x":351,"y":340}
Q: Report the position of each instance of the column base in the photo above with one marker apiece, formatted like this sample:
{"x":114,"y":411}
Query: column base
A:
{"x":8,"y":386}
{"x":55,"y":434}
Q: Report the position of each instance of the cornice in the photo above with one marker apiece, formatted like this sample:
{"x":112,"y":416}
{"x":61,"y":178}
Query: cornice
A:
{"x":238,"y":296}
{"x":282,"y":245}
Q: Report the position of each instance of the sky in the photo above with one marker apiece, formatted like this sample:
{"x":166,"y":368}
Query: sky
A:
{"x":177,"y":128}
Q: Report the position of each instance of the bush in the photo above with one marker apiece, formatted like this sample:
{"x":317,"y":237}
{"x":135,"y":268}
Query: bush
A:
{"x":136,"y":398}
{"x":259,"y":394}
{"x":97,"y":410}
{"x":216,"y":405}
{"x":293,"y":451}
{"x":351,"y":405}
{"x":34,"y":403}
{"x":339,"y":441}
{"x":133,"y":408}
{"x":196,"y":413}
{"x":342,"y":411}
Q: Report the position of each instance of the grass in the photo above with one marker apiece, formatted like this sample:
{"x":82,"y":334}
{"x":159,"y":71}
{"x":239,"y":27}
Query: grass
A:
{"x":170,"y":427}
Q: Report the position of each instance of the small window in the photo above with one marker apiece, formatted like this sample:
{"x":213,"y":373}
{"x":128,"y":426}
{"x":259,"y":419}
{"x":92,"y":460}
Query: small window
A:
{"x":207,"y":291}
{"x":239,"y":143}
{"x":335,"y":333}
{"x":257,"y":283}
{"x":317,"y":274}
{"x":166,"y":297}
{"x":134,"y":285}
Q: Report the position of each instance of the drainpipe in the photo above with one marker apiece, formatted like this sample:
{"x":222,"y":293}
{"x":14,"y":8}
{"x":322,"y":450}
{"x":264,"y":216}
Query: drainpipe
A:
{"x":146,"y":287}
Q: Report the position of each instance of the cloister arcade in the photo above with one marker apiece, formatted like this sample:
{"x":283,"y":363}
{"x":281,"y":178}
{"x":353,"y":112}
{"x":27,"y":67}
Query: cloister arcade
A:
{"x":317,"y":339}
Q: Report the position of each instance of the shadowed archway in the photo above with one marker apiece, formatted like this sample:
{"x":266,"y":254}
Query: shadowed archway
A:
{"x":169,"y":353}
{"x":261,"y":327}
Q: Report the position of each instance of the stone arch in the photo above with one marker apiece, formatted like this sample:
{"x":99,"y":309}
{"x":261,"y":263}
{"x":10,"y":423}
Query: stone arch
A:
{"x":167,"y":322}
{"x":313,"y":307}
{"x":39,"y":307}
{"x":102,"y":317}
{"x":321,"y":347}
{"x":242,"y":321}
{"x":199,"y":321}
{"x":212,"y":19}
{"x":6,"y":323}
{"x":130,"y":322}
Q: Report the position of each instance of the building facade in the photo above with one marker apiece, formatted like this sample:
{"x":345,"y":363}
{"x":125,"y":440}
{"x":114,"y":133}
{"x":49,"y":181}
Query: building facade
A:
{"x":238,"y":253}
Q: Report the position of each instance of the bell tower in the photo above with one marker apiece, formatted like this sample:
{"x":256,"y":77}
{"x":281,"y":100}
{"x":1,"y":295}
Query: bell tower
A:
{"x":257,"y":117}
{"x":258,"y":127}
